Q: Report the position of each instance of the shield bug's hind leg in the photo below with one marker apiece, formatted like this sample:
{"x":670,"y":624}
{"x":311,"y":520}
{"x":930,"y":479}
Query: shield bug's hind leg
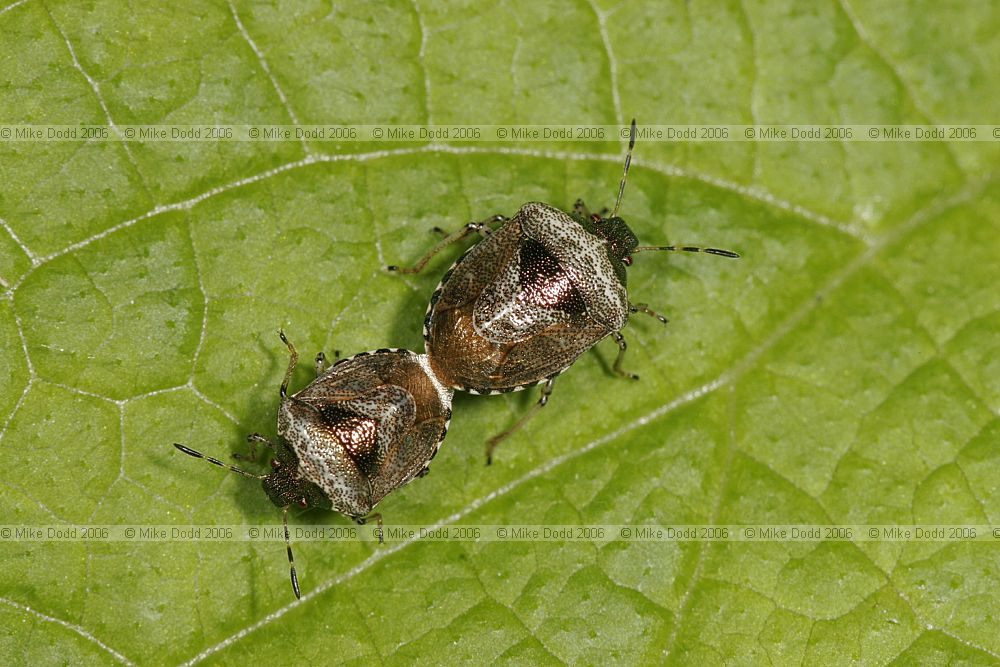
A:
{"x":492,"y":443}
{"x":644,"y":308}
{"x":378,"y":520}
{"x":482,"y":228}
{"x":617,"y":368}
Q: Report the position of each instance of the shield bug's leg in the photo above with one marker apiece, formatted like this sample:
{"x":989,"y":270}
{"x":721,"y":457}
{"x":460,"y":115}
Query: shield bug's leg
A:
{"x":378,"y":520}
{"x":291,"y":560}
{"x":482,"y":228}
{"x":581,"y":209}
{"x":644,"y":308}
{"x":492,"y":443}
{"x":253,"y":439}
{"x":320,"y":363}
{"x":292,"y":361}
{"x":617,"y":368}
{"x":426,"y":471}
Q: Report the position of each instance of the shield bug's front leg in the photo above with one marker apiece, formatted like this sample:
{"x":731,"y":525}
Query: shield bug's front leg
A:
{"x":617,"y":368}
{"x":482,"y":228}
{"x":581,"y":209}
{"x":322,"y":364}
{"x":292,"y":362}
{"x":253,"y":439}
{"x":492,"y":443}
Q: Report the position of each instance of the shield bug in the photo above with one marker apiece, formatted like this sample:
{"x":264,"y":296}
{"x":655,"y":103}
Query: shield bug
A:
{"x":364,"y":427}
{"x":538,"y":290}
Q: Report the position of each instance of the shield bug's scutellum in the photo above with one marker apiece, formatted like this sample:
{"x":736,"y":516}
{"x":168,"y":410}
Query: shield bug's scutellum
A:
{"x":536,"y":292}
{"x":364,"y":427}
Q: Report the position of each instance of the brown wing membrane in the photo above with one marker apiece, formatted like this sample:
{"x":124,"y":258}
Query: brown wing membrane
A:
{"x":476,"y":364}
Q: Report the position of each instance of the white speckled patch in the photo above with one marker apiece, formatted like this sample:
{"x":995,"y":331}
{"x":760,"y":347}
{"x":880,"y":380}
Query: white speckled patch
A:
{"x":504,"y":315}
{"x":583,"y":256}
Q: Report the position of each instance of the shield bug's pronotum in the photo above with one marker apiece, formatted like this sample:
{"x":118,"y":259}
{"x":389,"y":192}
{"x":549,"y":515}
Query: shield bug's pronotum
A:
{"x":365,"y":426}
{"x":531,"y":296}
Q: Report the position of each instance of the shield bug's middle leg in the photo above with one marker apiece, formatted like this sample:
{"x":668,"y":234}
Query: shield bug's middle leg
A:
{"x":482,"y":228}
{"x":492,"y":443}
{"x":617,"y":368}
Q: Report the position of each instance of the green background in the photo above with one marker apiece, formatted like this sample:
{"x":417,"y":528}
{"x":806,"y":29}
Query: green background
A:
{"x":844,"y":370}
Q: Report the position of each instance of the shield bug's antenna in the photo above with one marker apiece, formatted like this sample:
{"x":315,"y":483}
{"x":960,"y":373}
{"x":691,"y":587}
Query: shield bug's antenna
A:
{"x":215,"y":461}
{"x":291,"y":560}
{"x":284,"y":516}
{"x":628,"y":161}
{"x":689,"y":248}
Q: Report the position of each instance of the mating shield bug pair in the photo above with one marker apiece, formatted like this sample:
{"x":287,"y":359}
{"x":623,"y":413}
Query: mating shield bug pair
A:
{"x":520,"y":306}
{"x":516,"y":310}
{"x":364,"y":427}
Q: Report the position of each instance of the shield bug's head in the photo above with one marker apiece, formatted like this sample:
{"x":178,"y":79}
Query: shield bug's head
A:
{"x":363,"y":428}
{"x":286,"y":486}
{"x":620,"y":240}
{"x":617,"y":235}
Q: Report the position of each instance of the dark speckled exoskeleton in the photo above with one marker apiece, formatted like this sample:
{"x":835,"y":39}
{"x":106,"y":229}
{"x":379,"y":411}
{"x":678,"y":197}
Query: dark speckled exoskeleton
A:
{"x":365,"y":426}
{"x":519,"y":307}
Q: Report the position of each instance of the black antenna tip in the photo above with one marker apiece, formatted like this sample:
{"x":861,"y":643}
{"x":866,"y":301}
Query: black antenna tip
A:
{"x":295,"y":585}
{"x":188,"y":450}
{"x":722,"y":253}
{"x":631,"y":135}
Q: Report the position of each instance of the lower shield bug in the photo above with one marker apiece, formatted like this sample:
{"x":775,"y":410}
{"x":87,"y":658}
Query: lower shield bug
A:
{"x":536,"y":292}
{"x":364,"y":427}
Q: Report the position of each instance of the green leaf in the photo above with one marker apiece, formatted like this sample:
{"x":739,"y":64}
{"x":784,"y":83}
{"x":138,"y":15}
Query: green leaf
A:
{"x":844,"y":371}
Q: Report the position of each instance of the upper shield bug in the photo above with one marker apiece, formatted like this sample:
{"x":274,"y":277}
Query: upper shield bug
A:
{"x":365,"y":426}
{"x":531,"y":296}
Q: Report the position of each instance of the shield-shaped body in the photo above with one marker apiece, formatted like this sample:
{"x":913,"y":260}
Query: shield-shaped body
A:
{"x":522,"y":304}
{"x":366,"y":426}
